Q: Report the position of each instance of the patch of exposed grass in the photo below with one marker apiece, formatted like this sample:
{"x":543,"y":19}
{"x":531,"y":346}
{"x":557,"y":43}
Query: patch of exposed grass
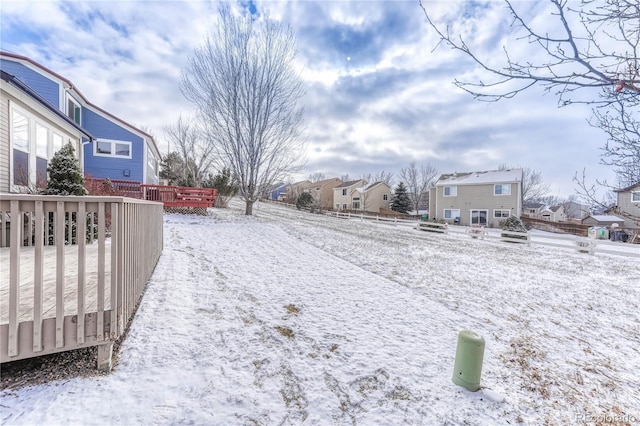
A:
{"x":292,"y":309}
{"x":285,"y":331}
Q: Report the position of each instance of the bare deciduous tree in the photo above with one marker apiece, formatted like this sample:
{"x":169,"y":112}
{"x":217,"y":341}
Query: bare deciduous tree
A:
{"x":386,"y":177}
{"x":418,"y":181}
{"x":622,"y":150}
{"x":534,"y":188}
{"x":243,"y":82}
{"x":584,"y":52}
{"x":317,"y":176}
{"x":194,"y":150}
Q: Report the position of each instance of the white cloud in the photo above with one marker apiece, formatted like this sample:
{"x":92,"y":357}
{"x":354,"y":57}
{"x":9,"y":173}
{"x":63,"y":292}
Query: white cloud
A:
{"x":392,"y":103}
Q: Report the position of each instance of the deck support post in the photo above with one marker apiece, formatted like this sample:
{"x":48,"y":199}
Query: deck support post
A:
{"x":105,"y":353}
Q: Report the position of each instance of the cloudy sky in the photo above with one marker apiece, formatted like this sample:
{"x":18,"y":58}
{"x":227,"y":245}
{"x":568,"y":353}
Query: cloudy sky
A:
{"x":379,"y":93}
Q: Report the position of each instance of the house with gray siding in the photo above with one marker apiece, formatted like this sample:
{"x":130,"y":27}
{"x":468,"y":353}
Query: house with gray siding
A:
{"x":628,"y":205}
{"x":483,"y":198}
{"x":117,"y":150}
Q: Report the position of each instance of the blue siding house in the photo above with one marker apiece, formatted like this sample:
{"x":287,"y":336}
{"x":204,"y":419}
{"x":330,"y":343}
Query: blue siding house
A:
{"x":115,"y":150}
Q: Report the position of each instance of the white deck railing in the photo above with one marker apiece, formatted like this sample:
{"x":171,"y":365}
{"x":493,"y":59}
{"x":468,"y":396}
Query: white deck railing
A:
{"x":72,"y":271}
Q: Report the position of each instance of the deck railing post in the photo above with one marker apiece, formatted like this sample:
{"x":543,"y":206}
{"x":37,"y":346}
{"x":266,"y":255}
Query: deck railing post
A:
{"x":14,"y":276}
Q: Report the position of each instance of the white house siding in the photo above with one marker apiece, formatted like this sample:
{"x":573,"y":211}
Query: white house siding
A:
{"x":4,"y":143}
{"x":372,"y":200}
{"x":345,"y":200}
{"x":14,"y":98}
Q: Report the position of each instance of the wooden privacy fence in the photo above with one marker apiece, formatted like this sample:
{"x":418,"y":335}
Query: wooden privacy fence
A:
{"x":73,"y":271}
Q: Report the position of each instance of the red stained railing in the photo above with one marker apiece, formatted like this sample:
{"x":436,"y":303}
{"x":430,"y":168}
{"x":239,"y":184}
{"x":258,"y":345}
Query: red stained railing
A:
{"x":170,"y":196}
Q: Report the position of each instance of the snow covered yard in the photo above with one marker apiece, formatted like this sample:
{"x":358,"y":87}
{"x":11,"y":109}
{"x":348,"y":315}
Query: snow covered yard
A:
{"x":296,"y":318}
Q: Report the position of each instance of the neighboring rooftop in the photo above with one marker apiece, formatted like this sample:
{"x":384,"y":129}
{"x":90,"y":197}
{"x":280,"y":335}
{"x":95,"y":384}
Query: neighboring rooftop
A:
{"x":479,"y":178}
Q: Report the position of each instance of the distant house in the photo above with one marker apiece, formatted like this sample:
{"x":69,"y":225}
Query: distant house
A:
{"x":278,"y":191}
{"x":553,"y":214}
{"x":477,"y":198}
{"x":576,"y":211}
{"x":372,"y":197}
{"x":293,"y":191}
{"x":31,"y":132}
{"x":602,"y":220}
{"x":628,"y":204}
{"x":322,"y":191}
{"x":532,"y":209}
{"x":343,"y":195}
{"x":115,"y":149}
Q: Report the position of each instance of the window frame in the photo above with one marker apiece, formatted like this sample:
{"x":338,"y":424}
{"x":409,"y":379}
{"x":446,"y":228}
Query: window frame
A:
{"x":77,"y":107}
{"x":502,"y":186}
{"x":344,"y":191}
{"x":113,"y":143}
{"x":385,"y":197}
{"x":502,"y":211}
{"x":37,"y":153}
{"x":451,"y":189}
{"x":633,"y":194}
{"x":451,"y":216}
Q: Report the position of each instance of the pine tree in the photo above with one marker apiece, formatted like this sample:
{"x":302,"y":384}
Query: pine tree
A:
{"x":305,"y":200}
{"x":65,"y":175}
{"x":514,"y":224}
{"x":401,"y":202}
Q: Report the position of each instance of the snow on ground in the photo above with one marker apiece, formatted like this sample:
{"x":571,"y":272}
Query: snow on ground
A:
{"x":290,"y":318}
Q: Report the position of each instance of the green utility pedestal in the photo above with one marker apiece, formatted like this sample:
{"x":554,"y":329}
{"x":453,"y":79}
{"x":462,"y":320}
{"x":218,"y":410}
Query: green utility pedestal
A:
{"x":468,"y":365}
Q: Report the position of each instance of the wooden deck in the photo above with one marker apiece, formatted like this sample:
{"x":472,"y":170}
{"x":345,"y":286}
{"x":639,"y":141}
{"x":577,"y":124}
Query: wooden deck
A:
{"x":70,"y":293}
{"x":170,"y":196}
{"x":72,"y":271}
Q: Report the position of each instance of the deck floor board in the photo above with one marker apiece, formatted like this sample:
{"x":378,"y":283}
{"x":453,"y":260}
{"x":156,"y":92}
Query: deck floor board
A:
{"x":27,"y":257}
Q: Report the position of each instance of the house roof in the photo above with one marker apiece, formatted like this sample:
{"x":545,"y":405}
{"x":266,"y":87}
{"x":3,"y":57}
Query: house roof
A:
{"x":370,"y":186}
{"x":73,"y":87}
{"x":605,"y":218}
{"x":480,"y":178}
{"x":555,"y":208}
{"x":629,"y":188}
{"x":349,"y":183}
{"x":15,"y":82}
{"x":533,"y":205}
{"x":324,"y":181}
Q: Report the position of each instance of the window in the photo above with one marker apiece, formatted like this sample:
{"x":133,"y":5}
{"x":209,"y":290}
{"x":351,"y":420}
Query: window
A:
{"x":344,"y":191}
{"x":451,"y":213}
{"x":635,"y":197}
{"x":385,"y":197}
{"x":479,"y":217}
{"x":344,"y":207}
{"x":501,"y":213}
{"x":450,"y":191}
{"x":20,"y":137}
{"x":338,"y":206}
{"x":356,"y":205}
{"x":33,"y":144}
{"x":73,"y":109}
{"x":57,"y":142}
{"x":42,"y":155}
{"x":502,"y":189}
{"x":112,"y":148}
